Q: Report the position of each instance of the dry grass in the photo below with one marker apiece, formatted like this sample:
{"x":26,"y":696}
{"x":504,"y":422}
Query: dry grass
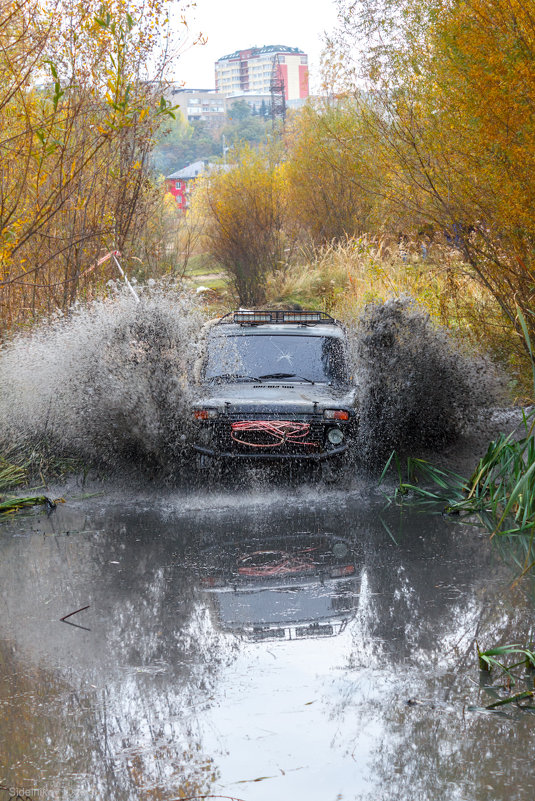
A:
{"x":343,"y":278}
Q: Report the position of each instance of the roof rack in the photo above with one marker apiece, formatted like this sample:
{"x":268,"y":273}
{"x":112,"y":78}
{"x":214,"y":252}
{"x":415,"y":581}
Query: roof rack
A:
{"x":280,"y":316}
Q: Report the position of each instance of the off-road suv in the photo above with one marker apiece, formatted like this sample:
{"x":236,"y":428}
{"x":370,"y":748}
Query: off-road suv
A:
{"x":274,"y":386}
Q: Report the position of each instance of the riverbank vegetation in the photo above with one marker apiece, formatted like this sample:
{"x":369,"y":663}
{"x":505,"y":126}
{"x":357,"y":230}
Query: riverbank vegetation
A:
{"x":13,"y":475}
{"x":499,"y":494}
{"x":80,"y":104}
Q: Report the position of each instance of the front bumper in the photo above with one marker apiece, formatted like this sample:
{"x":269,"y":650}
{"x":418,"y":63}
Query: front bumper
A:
{"x":273,"y":457}
{"x":229,"y":438}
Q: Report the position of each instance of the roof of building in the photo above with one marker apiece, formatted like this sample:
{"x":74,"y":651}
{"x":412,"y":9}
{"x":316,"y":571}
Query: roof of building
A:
{"x":184,"y":90}
{"x":260,"y":51}
{"x":198,"y":168}
{"x":191,"y":171}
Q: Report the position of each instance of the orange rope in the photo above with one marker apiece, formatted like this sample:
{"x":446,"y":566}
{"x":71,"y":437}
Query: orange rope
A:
{"x":281,"y":431}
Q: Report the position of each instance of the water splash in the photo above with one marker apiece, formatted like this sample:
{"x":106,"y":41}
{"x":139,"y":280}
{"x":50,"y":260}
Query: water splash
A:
{"x":106,"y":383}
{"x":110,"y":382}
{"x":416,"y":388}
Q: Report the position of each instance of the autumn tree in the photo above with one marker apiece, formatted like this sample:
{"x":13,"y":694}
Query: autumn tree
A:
{"x":243,"y":207}
{"x":244,"y":126}
{"x":453,"y":90}
{"x":168,"y":240}
{"x":78,"y":117}
{"x":181,"y":143}
{"x":184,"y":142}
{"x":330,"y":171}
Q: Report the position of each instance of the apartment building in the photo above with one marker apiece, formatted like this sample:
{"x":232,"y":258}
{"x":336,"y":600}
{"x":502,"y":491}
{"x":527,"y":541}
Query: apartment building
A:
{"x":250,"y":71}
{"x":199,"y":104}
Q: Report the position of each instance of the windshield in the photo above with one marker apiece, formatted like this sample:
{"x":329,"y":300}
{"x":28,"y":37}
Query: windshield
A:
{"x":258,"y":357}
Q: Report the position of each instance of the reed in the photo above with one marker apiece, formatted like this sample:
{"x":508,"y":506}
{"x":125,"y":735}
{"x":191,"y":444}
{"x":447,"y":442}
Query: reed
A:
{"x":500,"y":493}
{"x":507,"y":660}
{"x":489,"y":659}
{"x":11,"y":475}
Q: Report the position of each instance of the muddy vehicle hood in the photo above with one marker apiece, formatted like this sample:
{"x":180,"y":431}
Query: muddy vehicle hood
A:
{"x":275,"y":397}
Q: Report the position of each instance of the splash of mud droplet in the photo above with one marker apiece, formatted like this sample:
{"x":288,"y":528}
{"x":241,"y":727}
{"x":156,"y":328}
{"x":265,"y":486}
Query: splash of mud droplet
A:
{"x":110,"y":382}
{"x":416,"y":388}
{"x":107,"y":383}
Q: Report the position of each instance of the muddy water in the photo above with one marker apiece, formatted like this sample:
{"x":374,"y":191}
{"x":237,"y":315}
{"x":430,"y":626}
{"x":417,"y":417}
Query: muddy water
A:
{"x":301,"y":644}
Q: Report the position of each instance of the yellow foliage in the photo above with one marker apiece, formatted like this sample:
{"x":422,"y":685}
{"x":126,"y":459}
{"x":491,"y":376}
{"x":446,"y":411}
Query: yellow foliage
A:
{"x":76,"y":129}
{"x":329,"y":172}
{"x":452,"y":117}
{"x":342,"y":278}
{"x":243,"y":207}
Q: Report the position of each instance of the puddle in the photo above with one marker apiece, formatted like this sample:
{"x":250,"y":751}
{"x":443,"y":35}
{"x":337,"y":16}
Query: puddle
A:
{"x":273,"y":646}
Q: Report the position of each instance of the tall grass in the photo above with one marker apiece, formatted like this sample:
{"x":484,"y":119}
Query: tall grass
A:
{"x":500,"y":492}
{"x":343,"y":277}
{"x":11,"y":475}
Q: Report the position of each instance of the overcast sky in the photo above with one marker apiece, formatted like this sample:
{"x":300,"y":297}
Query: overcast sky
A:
{"x":232,"y":25}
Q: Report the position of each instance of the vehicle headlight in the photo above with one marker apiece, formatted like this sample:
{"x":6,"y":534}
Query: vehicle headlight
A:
{"x":204,"y":414}
{"x":335,"y":436}
{"x":336,"y":414}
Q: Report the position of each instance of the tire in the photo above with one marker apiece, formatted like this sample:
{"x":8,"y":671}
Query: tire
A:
{"x":337,"y":469}
{"x":208,"y":470}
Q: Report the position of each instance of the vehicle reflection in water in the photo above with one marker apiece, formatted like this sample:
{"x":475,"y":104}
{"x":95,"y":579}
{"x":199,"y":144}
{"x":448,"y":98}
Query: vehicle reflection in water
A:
{"x":280,"y":670}
{"x":287,"y":588}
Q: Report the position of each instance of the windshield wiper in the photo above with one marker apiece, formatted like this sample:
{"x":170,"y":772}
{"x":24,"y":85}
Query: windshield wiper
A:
{"x":233,"y":377}
{"x":286,"y":375}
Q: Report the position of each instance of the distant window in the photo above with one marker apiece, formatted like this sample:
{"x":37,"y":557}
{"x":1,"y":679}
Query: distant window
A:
{"x":178,"y":184}
{"x":303,"y":59}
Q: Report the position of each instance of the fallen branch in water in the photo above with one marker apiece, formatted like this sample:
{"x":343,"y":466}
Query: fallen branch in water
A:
{"x":68,"y":622}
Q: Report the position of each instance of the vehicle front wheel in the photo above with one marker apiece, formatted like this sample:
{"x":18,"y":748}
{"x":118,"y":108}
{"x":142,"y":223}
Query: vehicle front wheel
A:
{"x":208,"y":469}
{"x":335,"y":470}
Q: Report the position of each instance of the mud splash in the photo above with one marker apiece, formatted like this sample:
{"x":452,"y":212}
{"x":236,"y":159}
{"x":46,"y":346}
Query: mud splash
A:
{"x":417,"y":389}
{"x":107,"y":383}
{"x":112,"y":382}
